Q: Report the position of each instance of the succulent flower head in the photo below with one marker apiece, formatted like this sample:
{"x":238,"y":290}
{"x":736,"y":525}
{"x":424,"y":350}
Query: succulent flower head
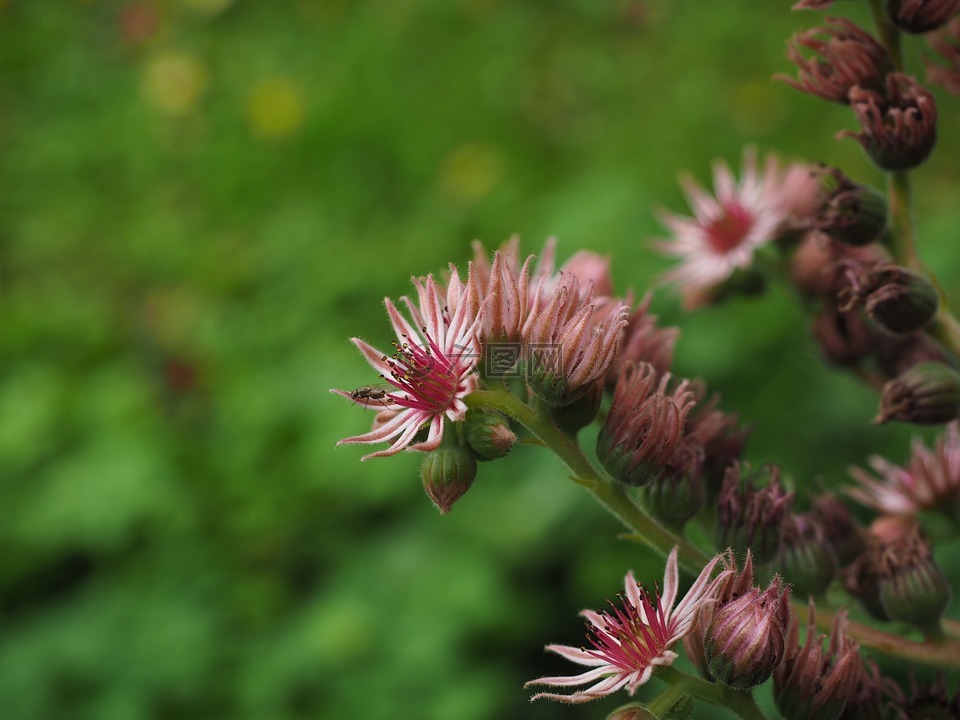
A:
{"x":900,"y":301}
{"x":432,"y":368}
{"x":721,"y":436}
{"x":726,"y":228}
{"x":813,"y":682}
{"x":678,"y":493}
{"x":845,"y":56}
{"x":926,"y":394}
{"x":899,"y":126}
{"x":632,"y":638}
{"x":571,"y":340}
{"x":749,"y":516}
{"x":930,"y":481}
{"x":644,"y":341}
{"x":921,"y":16}
{"x":804,"y":556}
{"x":645,"y":424}
{"x":745,"y":640}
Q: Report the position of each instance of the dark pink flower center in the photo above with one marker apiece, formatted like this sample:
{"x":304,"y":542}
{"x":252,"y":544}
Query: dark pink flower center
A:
{"x":429,"y":380}
{"x":626,"y":641}
{"x":728,"y":231}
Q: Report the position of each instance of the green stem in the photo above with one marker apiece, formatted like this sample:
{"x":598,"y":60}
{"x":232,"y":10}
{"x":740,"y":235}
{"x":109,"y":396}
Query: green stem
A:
{"x":612,"y":495}
{"x":663,"y":703}
{"x":902,"y":242}
{"x":888,"y":32}
{"x":943,"y":653}
{"x":738,"y":702}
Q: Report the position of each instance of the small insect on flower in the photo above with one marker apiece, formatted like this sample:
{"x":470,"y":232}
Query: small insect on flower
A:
{"x":370,"y":393}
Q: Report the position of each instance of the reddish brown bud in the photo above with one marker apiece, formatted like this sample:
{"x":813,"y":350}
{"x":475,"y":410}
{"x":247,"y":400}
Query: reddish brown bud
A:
{"x":921,"y":16}
{"x":849,"y":212}
{"x":926,"y":394}
{"x":946,"y":42}
{"x":848,"y":56}
{"x":804,"y":557}
{"x":844,"y":535}
{"x":813,"y":683}
{"x":898,"y":300}
{"x":750,"y":517}
{"x":745,"y":640}
{"x":899,"y":127}
{"x":844,"y":337}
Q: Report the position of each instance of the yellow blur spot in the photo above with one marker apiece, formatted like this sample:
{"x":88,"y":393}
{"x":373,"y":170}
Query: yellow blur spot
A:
{"x":207,"y":7}
{"x":275,"y":109}
{"x":174,"y":82}
{"x":470,"y":171}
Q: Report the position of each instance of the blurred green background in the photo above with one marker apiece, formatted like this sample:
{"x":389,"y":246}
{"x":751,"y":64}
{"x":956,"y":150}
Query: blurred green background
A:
{"x":201,"y":200}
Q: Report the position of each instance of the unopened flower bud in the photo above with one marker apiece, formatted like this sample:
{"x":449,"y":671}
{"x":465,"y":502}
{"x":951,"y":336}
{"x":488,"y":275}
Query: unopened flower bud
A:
{"x":899,"y":127}
{"x":745,"y":640}
{"x":899,"y":300}
{"x":946,"y":42}
{"x":813,"y":683}
{"x":633,"y":711}
{"x":846,"y":55}
{"x":678,"y":493}
{"x":850,"y":213}
{"x":921,"y":16}
{"x":844,"y":535}
{"x":844,"y":337}
{"x":489,"y":435}
{"x":912,"y":587}
{"x":929,"y":701}
{"x":644,"y":425}
{"x":750,"y":517}
{"x":804,"y":557}
{"x":581,"y":412}
{"x":447,"y":473}
{"x":926,"y":394}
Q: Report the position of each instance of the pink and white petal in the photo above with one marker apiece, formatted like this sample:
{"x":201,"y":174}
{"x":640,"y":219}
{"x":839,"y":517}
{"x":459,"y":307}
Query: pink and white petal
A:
{"x":373,"y":356}
{"x":434,"y":436}
{"x":670,"y":581}
{"x":701,"y":587}
{"x":632,"y":590}
{"x":402,"y":441}
{"x":382,"y":433}
{"x":572,"y":680}
{"x":577,"y":655}
{"x":404,"y":330}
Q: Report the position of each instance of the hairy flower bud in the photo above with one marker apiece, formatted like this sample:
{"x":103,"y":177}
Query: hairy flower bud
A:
{"x":848,"y":56}
{"x":926,"y":394}
{"x":489,"y":435}
{"x":633,"y":711}
{"x":750,"y":517}
{"x":447,"y":473}
{"x":921,"y":16}
{"x":804,"y":556}
{"x":678,"y":493}
{"x":849,"y":212}
{"x":745,"y":640}
{"x":899,"y":300}
{"x":899,"y":127}
{"x":813,"y":683}
{"x":912,"y":587}
{"x":644,"y":425}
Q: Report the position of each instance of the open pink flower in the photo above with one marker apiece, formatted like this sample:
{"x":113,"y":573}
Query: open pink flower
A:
{"x":432,"y":368}
{"x":726,"y":229}
{"x":629,"y":641}
{"x":930,"y":481}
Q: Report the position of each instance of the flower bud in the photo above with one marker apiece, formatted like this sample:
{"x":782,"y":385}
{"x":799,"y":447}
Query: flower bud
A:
{"x":812,"y":683}
{"x":912,"y":587}
{"x":644,"y":425}
{"x":745,"y":640}
{"x":929,"y":701}
{"x":899,"y":127}
{"x":804,"y":557}
{"x":921,"y":16}
{"x":447,"y":473}
{"x":489,"y":435}
{"x":899,"y":300}
{"x":850,"y":213}
{"x":844,"y":337}
{"x":581,"y":412}
{"x":750,"y":517}
{"x":946,"y":42}
{"x":633,"y":711}
{"x":926,"y":394}
{"x":848,"y":56}
{"x":844,"y":535}
{"x":678,"y":493}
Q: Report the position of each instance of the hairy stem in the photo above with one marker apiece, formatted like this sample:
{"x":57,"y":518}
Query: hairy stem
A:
{"x":739,"y":703}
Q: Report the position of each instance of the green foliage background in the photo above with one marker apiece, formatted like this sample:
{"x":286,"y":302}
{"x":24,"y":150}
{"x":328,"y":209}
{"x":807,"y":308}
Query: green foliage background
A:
{"x":201,"y":200}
